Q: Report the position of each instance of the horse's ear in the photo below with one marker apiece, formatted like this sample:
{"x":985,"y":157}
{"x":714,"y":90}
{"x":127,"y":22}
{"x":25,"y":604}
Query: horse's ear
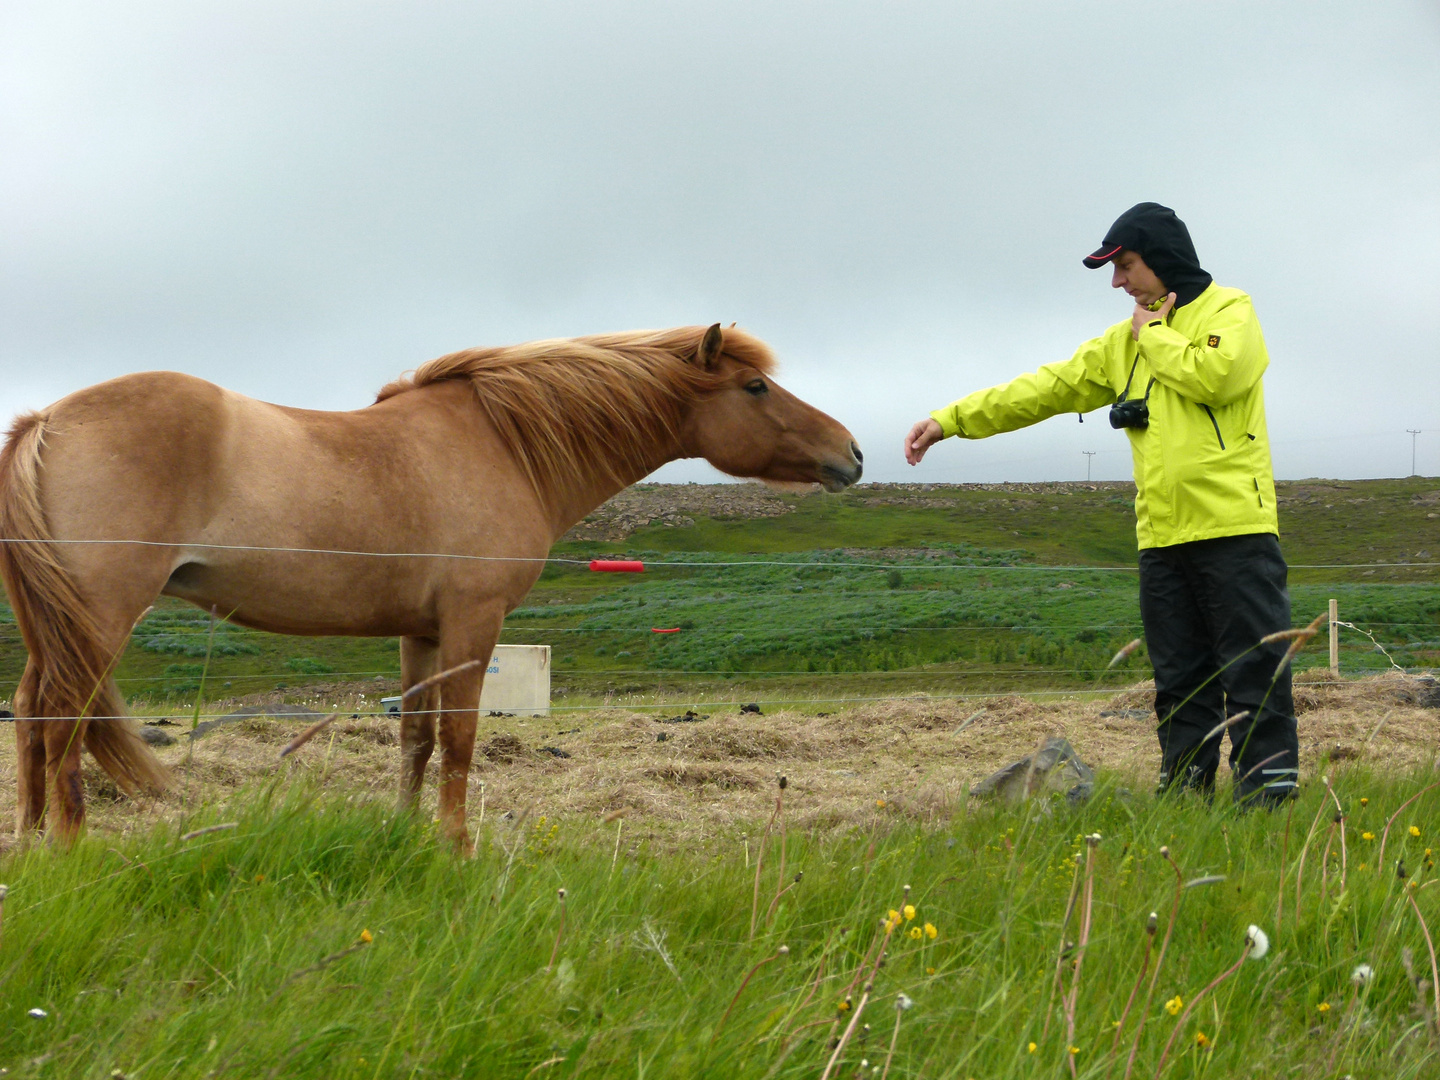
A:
{"x":711,"y":345}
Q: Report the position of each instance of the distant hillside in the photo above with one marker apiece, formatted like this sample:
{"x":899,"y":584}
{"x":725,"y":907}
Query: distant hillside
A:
{"x":1321,"y":521}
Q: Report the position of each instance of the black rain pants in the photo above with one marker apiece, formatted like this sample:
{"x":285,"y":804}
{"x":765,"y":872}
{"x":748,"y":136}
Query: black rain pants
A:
{"x":1205,"y":603}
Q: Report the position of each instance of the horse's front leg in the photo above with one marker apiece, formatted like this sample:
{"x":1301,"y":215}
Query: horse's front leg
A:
{"x":418,"y":659}
{"x":459,"y":709}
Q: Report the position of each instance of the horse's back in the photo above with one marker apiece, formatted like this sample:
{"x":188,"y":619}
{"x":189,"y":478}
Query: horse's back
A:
{"x":202,"y":476}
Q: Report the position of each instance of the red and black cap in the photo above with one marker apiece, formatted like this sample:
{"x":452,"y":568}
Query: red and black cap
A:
{"x":1160,"y":238}
{"x":1102,"y":255}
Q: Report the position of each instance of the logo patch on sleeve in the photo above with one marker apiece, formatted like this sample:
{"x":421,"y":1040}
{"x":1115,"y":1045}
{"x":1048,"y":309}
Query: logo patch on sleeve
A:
{"x":1213,"y":341}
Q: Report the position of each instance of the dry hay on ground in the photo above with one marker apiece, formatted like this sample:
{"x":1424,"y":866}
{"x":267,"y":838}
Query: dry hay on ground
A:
{"x":914,"y":758}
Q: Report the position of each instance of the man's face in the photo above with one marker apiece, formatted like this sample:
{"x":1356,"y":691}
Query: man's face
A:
{"x":1137,"y":279}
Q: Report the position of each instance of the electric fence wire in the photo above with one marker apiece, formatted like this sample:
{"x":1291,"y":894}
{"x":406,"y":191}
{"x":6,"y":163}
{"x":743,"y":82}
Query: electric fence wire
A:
{"x":690,"y":563}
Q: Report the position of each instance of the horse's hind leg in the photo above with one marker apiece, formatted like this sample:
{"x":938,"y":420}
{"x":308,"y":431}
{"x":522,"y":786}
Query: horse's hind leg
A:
{"x":63,"y":741}
{"x":418,"y":657}
{"x":29,"y":754}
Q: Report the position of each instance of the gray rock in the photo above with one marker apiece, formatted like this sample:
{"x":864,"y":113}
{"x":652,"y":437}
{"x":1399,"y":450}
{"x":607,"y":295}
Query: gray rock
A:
{"x":1054,"y":767}
{"x":156,"y":736}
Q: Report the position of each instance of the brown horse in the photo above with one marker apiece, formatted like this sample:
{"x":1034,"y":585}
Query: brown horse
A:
{"x":489,"y":454}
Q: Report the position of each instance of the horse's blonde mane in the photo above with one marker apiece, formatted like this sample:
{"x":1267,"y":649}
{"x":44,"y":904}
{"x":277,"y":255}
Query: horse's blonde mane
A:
{"x":588,"y":406}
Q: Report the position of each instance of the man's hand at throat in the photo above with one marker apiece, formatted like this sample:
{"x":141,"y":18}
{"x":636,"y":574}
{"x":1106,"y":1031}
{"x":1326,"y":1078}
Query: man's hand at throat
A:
{"x":1143,"y":315}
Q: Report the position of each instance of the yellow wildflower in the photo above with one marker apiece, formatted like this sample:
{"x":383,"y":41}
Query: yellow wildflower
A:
{"x":366,"y":937}
{"x":879,"y":804}
{"x":931,"y":932}
{"x":909,"y":912}
{"x":930,"y":971}
{"x":894,"y":916}
{"x":1201,"y":1039}
{"x":1364,"y":802}
{"x":1073,"y":1049}
{"x":1174,"y":1005}
{"x":916,"y":933}
{"x":1323,"y":1007}
{"x":1367,"y":836}
{"x":1031,"y":1048}
{"x":844,"y":1006}
{"x":1415,"y":830}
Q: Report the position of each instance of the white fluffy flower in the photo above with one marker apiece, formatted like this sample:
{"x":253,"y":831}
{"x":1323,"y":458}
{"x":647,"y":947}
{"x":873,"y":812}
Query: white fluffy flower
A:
{"x":902,"y":1002}
{"x":1362,"y":975}
{"x":1259,"y":943}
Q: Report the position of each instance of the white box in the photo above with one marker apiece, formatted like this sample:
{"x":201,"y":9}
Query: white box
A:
{"x":516,"y":681}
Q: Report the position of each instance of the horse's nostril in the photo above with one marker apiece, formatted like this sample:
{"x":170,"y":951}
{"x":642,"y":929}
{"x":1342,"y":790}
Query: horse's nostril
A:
{"x":854,"y":449}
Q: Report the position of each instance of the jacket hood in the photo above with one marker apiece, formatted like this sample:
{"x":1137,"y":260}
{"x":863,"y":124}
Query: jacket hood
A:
{"x":1162,"y":240}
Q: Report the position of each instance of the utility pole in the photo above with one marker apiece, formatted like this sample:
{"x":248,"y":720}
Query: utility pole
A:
{"x":1088,"y":455}
{"x":1414,"y":434}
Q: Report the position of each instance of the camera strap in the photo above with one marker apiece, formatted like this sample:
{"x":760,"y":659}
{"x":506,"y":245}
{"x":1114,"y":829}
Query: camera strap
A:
{"x":1125,"y":394}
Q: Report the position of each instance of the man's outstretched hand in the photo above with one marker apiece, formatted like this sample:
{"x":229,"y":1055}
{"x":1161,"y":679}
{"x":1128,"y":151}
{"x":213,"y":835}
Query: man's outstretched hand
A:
{"x":1143,"y":315}
{"x":922,"y":436}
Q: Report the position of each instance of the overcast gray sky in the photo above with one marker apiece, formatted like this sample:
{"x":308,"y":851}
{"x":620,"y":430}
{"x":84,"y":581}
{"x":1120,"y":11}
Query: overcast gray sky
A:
{"x":299,"y":200}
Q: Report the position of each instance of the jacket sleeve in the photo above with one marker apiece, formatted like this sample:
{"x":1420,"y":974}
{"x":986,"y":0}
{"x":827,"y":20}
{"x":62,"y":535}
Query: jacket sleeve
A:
{"x":1075,"y":385}
{"x":1209,"y":374}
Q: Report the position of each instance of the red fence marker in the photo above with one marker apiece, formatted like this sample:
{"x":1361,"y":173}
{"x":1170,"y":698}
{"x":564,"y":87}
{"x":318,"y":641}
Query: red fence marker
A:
{"x":670,"y":630}
{"x":618,"y":566}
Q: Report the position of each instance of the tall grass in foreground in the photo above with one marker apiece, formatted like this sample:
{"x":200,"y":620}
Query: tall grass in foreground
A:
{"x":328,"y":937}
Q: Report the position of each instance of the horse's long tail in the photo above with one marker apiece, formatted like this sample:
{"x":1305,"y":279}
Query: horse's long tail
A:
{"x":65,"y":643}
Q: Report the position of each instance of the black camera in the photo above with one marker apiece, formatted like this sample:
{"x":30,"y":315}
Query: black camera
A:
{"x":1134,"y":414}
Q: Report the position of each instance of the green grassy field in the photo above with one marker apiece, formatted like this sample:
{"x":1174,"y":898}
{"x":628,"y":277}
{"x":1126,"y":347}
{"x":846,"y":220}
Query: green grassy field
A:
{"x":966,"y":599}
{"x":324,"y":936}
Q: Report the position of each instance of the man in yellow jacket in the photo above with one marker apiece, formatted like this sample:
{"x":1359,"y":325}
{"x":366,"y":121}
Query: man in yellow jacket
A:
{"x":1183,"y":379}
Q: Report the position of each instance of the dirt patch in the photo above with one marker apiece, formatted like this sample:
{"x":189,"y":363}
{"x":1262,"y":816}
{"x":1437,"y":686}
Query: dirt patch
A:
{"x":698,"y":775}
{"x":504,"y":749}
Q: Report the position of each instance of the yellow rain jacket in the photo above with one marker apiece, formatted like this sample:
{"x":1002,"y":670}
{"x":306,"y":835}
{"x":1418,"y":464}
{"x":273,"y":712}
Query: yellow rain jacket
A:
{"x":1202,"y":466}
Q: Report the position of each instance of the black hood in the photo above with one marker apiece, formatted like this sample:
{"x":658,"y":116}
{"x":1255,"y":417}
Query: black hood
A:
{"x":1161,"y":239}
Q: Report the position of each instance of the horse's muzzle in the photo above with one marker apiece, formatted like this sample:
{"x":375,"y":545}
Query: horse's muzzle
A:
{"x":837,"y":475}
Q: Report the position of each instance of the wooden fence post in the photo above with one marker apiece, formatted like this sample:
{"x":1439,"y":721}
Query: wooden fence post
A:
{"x":1334,"y":637}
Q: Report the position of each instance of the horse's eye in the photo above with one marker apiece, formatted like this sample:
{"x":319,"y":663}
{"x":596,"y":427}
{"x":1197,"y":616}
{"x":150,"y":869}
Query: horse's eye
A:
{"x":757,"y":387}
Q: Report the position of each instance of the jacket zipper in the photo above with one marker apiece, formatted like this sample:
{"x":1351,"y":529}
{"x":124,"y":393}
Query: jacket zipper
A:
{"x":1216,"y":424}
